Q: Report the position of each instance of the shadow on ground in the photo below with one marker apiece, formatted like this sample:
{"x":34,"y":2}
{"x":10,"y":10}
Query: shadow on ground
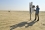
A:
{"x":23,"y":24}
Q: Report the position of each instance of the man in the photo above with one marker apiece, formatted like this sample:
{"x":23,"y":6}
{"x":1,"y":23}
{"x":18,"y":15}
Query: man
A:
{"x":32,"y":9}
{"x":37,"y":13}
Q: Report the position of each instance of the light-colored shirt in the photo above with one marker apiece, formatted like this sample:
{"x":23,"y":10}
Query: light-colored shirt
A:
{"x":32,"y":10}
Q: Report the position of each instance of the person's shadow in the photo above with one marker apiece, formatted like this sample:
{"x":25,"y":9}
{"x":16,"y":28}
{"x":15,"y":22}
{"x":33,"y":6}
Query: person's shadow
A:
{"x":22,"y":24}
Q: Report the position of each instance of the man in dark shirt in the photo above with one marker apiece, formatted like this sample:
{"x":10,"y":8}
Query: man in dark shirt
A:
{"x":37,"y":13}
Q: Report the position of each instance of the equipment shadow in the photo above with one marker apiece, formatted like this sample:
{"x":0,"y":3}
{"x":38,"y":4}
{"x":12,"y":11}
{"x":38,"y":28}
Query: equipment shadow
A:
{"x":23,"y":24}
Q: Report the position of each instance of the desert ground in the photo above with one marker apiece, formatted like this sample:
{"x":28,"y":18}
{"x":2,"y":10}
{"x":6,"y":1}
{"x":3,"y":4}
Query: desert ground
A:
{"x":20,"y":20}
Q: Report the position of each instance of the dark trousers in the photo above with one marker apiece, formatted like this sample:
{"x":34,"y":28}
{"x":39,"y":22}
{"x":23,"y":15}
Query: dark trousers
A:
{"x":36,"y":16}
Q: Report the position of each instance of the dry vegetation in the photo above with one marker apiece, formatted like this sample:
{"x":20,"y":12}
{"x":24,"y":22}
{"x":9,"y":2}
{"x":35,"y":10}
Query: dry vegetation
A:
{"x":11,"y":18}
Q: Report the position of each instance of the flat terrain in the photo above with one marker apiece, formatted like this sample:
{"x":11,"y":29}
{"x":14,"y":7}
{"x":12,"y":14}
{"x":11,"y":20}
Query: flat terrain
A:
{"x":20,"y":20}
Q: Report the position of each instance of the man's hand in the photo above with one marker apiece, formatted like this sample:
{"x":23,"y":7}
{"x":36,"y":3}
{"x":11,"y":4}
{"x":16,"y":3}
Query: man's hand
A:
{"x":34,"y":10}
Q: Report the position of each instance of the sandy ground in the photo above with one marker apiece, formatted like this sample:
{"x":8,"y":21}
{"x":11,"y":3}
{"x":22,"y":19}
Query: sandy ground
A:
{"x":20,"y":20}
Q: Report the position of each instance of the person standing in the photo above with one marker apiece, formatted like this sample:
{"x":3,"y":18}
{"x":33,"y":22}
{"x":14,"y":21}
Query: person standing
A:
{"x":37,"y":13}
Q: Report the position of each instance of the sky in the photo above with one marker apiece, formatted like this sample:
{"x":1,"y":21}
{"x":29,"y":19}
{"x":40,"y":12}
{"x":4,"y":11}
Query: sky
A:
{"x":20,"y":5}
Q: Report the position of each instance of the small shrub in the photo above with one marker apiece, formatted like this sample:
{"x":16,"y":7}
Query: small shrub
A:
{"x":8,"y":11}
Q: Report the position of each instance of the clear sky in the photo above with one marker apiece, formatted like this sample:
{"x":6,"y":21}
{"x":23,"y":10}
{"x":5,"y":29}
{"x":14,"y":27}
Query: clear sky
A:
{"x":20,"y":4}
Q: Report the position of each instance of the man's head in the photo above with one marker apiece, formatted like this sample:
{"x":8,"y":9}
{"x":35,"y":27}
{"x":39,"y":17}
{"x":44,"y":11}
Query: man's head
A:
{"x":37,"y":6}
{"x":33,"y":6}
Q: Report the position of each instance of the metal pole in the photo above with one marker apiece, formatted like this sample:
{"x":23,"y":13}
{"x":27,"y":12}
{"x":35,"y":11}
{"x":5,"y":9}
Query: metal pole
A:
{"x":30,"y":13}
{"x":30,"y":6}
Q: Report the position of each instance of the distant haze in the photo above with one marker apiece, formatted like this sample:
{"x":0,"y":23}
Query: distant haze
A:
{"x":20,"y":5}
